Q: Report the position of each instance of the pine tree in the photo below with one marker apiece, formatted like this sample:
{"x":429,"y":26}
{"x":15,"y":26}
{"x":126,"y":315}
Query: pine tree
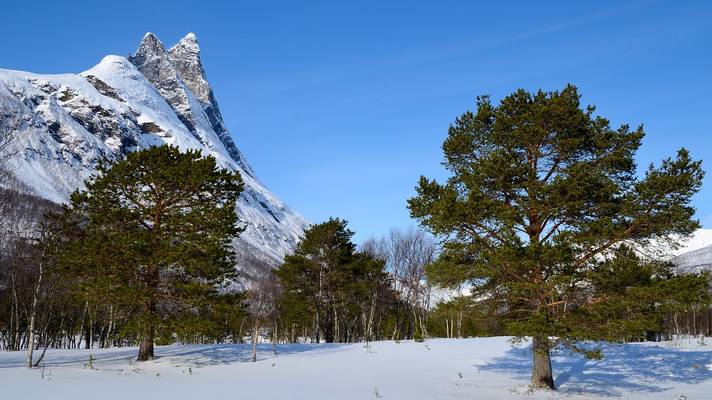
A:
{"x":152,"y":234}
{"x":540,"y":190}
{"x":328,"y":280}
{"x":634,"y":295}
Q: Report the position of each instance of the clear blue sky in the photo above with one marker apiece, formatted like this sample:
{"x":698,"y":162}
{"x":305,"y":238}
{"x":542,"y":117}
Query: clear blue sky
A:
{"x":341,"y":107}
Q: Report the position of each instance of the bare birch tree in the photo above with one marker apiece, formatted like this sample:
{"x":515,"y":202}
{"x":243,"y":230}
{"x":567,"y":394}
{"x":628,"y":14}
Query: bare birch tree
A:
{"x":262,"y":306}
{"x":406,"y":254}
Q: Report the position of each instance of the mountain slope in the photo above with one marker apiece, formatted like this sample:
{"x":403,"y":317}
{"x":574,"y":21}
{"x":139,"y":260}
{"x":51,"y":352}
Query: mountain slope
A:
{"x":694,"y":261}
{"x":64,"y":124}
{"x":696,"y":255}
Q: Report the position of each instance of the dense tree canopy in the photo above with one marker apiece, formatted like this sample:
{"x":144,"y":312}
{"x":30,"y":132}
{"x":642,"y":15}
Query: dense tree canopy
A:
{"x":153,"y":234}
{"x":327,"y":280}
{"x":540,"y":191}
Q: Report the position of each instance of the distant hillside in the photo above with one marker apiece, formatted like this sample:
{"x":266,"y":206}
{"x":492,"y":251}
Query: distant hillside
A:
{"x":694,"y":261}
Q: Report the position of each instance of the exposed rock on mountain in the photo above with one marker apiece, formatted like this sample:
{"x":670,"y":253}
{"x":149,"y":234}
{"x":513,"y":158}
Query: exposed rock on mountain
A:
{"x":64,"y":124}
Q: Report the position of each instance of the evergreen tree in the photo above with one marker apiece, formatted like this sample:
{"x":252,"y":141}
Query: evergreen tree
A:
{"x":153,"y":235}
{"x":328,"y":280}
{"x":631,"y":297}
{"x":540,"y":191}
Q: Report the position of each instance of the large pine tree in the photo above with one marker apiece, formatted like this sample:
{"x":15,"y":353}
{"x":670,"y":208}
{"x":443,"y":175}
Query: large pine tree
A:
{"x":152,"y":234}
{"x":541,"y":191}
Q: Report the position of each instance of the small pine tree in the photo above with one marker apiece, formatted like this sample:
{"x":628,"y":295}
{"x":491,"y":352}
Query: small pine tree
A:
{"x":328,"y":280}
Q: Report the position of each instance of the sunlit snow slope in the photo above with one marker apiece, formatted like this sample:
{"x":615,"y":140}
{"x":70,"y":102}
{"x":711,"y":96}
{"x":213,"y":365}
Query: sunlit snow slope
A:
{"x":64,"y":124}
{"x":696,"y":256}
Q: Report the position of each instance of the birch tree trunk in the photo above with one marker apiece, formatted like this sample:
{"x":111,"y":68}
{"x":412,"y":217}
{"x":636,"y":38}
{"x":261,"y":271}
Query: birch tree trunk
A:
{"x":81,"y":326}
{"x":33,"y":317}
{"x":254,"y":340}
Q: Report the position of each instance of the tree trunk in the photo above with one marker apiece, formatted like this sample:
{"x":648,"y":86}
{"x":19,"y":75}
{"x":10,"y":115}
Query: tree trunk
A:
{"x":317,"y":326}
{"x":110,"y":330}
{"x":31,"y":343}
{"x":395,"y":335}
{"x":254,"y":340}
{"x":274,"y":339}
{"x":369,"y":321}
{"x":542,"y":377}
{"x":145,"y":349}
{"x":16,"y":334}
{"x":33,"y":317}
{"x":335,"y":335}
{"x":81,"y":326}
{"x":90,"y":332}
{"x":239,"y":334}
{"x":459,"y":324}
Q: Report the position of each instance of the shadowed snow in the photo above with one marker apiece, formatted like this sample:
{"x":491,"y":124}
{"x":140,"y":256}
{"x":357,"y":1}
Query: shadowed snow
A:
{"x":481,"y":368}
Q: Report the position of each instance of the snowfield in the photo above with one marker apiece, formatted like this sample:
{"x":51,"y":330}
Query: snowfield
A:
{"x":480,"y":368}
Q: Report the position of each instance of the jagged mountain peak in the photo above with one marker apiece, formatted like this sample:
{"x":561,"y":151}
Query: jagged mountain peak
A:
{"x":179,"y":76}
{"x":189,"y":42}
{"x":185,"y":58}
{"x":150,"y":46}
{"x":153,"y":62}
{"x":71,"y":121}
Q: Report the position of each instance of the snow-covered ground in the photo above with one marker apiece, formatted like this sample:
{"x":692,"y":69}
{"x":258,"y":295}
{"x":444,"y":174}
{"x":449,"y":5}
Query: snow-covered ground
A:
{"x":482,"y":368}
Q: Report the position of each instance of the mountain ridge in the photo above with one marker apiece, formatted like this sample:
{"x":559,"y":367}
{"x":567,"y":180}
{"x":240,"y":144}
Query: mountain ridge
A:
{"x":66,"y":123}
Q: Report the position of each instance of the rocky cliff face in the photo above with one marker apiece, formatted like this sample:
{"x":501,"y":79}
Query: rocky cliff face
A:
{"x":64,"y":124}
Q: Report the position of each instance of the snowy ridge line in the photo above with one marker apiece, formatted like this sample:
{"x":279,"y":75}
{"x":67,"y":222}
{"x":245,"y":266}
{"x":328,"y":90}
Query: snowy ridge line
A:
{"x":66,"y":123}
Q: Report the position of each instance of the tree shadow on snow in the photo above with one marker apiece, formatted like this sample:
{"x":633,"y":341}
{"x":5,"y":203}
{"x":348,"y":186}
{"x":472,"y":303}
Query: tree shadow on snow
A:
{"x":219,"y":354}
{"x":185,"y":355}
{"x":625,"y":367}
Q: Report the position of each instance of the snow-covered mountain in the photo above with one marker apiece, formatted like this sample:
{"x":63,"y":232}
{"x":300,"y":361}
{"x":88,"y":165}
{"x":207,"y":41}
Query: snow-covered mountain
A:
{"x":699,"y":239}
{"x":694,"y":261}
{"x":64,"y":124}
{"x":696,"y":254}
